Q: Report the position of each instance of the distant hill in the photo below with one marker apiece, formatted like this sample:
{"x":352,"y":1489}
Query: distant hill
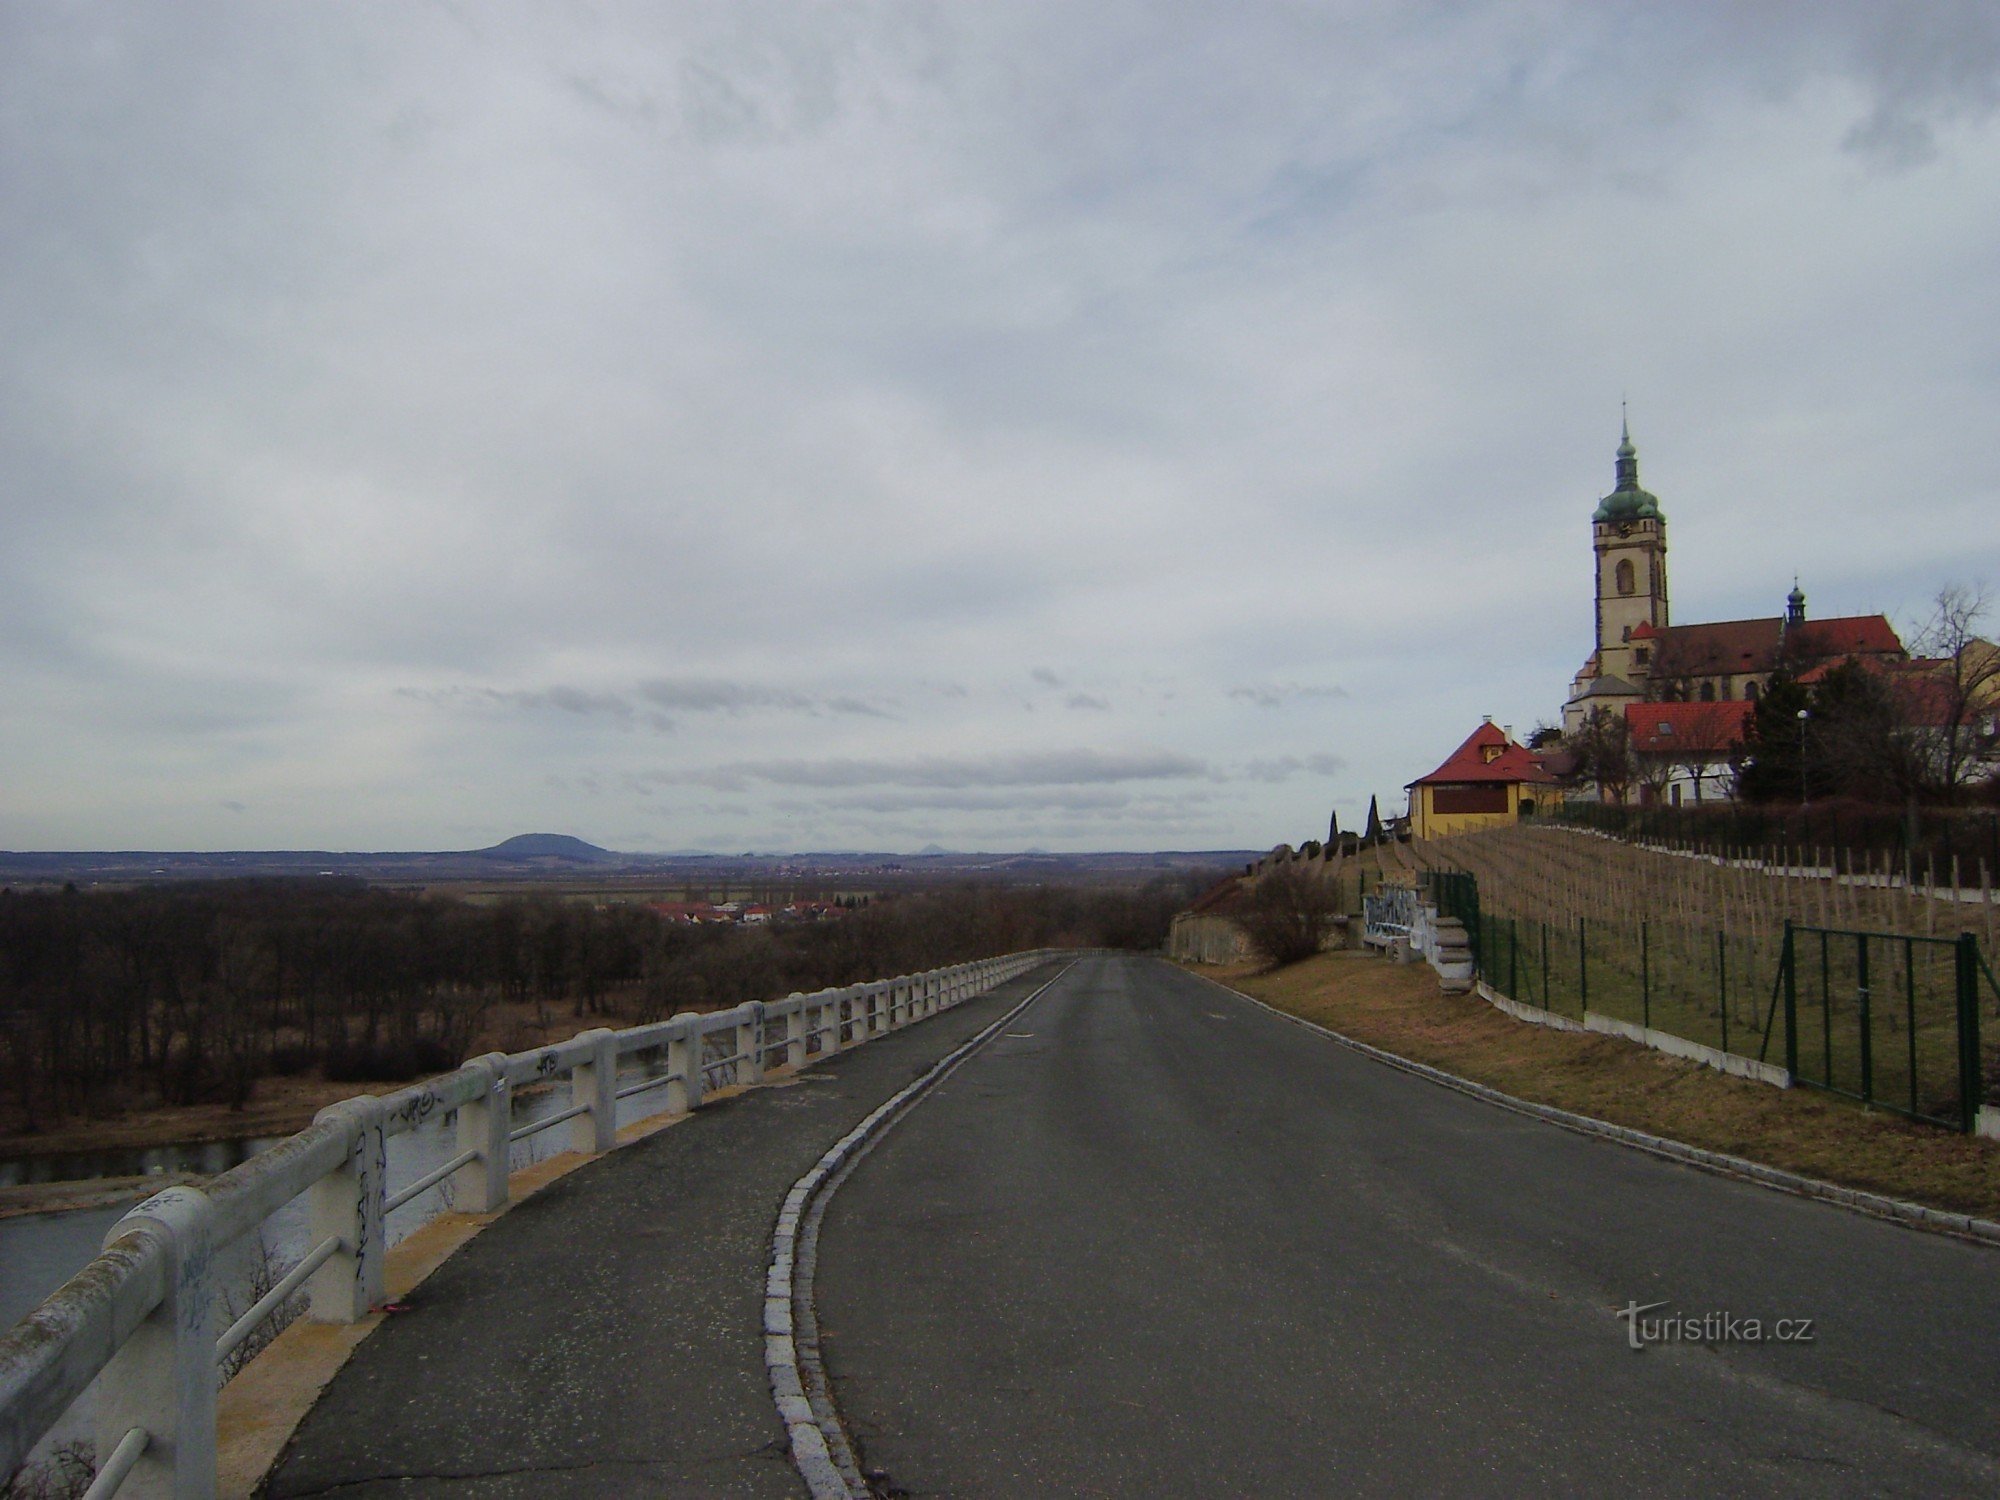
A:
{"x":547,"y":846}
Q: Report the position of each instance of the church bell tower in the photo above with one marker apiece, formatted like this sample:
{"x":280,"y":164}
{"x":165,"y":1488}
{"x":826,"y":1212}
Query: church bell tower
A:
{"x":1630,"y":537}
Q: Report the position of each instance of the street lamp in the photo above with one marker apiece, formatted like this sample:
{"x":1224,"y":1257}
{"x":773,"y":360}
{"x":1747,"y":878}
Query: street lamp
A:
{"x":1805,"y":799}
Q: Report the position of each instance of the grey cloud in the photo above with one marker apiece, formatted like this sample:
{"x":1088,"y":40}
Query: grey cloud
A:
{"x":348,"y":356}
{"x":1031,"y":768}
{"x":1277,"y":694}
{"x":867,"y":710}
{"x":1285,"y":767}
{"x":684,"y":695}
{"x":1088,"y":701}
{"x":716,"y":695}
{"x":572,"y":700}
{"x":1930,"y":65}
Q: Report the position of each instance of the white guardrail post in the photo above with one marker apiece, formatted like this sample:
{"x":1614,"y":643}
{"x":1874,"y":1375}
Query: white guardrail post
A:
{"x":797,"y":1019}
{"x":684,"y":1062}
{"x":139,"y":1318}
{"x":161,"y":1379}
{"x":483,"y":1124}
{"x":346,"y":1205}
{"x":750,"y":1043}
{"x":593,"y":1084}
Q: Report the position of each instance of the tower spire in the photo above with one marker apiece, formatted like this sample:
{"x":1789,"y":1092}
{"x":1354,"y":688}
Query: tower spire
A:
{"x":1628,"y":456}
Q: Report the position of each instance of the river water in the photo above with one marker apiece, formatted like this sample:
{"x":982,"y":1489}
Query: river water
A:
{"x":38,"y":1252}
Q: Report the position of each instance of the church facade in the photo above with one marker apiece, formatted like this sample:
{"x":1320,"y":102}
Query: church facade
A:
{"x":1641,"y":656}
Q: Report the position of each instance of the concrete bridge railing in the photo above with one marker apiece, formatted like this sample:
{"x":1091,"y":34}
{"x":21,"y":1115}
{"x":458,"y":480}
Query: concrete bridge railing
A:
{"x":139,"y":1319}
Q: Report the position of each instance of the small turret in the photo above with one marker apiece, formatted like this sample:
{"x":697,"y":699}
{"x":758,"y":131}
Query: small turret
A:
{"x":1795,"y":607}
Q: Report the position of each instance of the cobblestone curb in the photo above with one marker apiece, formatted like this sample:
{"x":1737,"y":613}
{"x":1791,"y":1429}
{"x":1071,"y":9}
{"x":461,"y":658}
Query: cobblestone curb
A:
{"x":820,"y":1448}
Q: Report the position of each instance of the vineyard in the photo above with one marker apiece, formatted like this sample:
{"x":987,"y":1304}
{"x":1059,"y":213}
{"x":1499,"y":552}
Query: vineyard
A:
{"x":1691,"y":945}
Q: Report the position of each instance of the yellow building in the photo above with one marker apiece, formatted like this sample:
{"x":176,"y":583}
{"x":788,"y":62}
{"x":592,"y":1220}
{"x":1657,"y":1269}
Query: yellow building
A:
{"x":1486,"y":782}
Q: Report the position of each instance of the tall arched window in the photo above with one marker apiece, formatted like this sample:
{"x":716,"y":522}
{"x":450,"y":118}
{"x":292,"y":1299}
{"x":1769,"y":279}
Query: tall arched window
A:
{"x":1625,"y":575}
{"x":1708,"y":692}
{"x":1750,"y":690}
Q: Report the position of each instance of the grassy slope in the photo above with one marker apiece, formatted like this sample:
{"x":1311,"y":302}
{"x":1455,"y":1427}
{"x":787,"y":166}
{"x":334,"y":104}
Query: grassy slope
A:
{"x":1399,"y":1009}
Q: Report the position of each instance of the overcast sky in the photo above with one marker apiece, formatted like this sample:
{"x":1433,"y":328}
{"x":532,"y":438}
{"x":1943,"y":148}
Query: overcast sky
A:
{"x":786,"y":426}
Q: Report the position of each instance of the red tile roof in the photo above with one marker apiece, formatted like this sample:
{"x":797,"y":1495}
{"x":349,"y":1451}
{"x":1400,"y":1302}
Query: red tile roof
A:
{"x":1670,"y":728}
{"x":1468,"y":763}
{"x":1727,"y":647}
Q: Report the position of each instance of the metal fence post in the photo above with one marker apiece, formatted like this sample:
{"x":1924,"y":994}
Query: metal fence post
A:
{"x":1971,"y":1074}
{"x":162,"y":1379}
{"x":1867,"y":1021}
{"x":1646,"y":975}
{"x":1788,"y":966}
{"x":1722,"y":982}
{"x":482,"y":1127}
{"x":1582,"y":969}
{"x":346,"y":1204}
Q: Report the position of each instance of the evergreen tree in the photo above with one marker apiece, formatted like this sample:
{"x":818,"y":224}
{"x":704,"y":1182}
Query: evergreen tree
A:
{"x":1767,"y":765}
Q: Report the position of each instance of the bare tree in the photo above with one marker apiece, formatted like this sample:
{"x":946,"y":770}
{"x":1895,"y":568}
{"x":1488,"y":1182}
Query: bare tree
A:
{"x":1288,"y":914}
{"x":1954,"y":692}
{"x":1603,"y":746}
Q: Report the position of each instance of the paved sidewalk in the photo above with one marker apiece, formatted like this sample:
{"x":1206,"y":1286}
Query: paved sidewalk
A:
{"x":605,"y":1336}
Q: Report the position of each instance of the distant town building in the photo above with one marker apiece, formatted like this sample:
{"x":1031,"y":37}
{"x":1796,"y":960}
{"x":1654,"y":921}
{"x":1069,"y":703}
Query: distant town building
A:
{"x":1686,"y":752}
{"x":1487,"y":782}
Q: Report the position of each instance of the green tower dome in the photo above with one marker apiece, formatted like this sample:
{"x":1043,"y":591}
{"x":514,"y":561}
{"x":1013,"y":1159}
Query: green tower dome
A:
{"x":1627,"y":502}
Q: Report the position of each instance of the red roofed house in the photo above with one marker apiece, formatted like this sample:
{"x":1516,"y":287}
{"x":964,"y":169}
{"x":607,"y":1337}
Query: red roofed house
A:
{"x":1641,"y":656}
{"x":1486,"y":782}
{"x":1684,"y":752}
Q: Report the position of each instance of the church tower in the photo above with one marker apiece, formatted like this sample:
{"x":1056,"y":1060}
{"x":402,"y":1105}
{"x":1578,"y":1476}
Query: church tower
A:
{"x":1630,"y":538}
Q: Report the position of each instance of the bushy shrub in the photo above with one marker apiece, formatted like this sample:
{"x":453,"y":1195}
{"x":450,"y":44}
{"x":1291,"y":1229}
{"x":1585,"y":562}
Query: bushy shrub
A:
{"x":1288,"y":915}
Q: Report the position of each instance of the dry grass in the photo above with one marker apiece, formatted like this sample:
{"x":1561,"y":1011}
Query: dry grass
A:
{"x":1400,"y":1009}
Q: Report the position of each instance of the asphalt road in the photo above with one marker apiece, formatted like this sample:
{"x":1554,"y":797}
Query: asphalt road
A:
{"x":1155,"y":1241}
{"x":605,"y":1336}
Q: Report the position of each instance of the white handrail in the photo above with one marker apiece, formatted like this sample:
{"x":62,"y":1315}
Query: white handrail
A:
{"x":139,"y":1315}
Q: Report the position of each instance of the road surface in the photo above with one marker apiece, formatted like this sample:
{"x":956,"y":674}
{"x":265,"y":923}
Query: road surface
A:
{"x":1156,"y":1241}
